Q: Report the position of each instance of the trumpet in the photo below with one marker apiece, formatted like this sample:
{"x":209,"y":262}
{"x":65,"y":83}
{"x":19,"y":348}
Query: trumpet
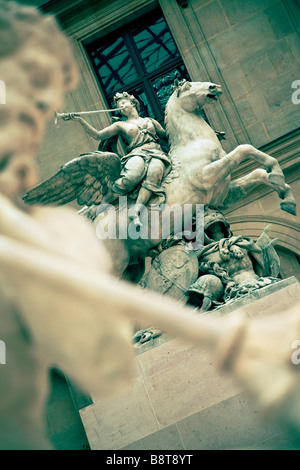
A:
{"x":67,"y":116}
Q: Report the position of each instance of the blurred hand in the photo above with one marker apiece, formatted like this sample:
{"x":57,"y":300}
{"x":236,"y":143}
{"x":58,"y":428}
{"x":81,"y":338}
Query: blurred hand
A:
{"x":70,"y":116}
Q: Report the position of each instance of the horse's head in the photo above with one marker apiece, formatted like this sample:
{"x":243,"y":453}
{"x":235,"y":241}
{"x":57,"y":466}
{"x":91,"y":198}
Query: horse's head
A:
{"x":194,"y":95}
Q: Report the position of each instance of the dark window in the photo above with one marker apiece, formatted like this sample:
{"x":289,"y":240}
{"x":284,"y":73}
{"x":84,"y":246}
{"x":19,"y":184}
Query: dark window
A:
{"x":142,"y":60}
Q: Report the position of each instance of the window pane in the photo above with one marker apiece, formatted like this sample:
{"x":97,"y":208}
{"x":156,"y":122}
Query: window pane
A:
{"x":155,"y":45}
{"x":114,"y":65}
{"x":163,"y":83}
{"x":146,"y":108}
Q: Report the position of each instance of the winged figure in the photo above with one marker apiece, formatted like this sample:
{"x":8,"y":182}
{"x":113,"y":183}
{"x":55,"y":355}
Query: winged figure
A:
{"x":100,"y":177}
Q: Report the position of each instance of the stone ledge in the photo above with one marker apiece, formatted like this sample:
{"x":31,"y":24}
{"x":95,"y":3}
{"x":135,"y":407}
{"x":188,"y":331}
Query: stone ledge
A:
{"x":225,"y":309}
{"x":179,"y":397}
{"x":253,"y":296}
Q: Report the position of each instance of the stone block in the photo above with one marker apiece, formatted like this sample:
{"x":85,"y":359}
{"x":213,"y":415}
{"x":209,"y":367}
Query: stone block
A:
{"x":164,"y":439}
{"x":239,"y":88}
{"x":279,"y":20}
{"x":233,"y":424}
{"x":209,"y":12}
{"x":282,"y":57}
{"x":282,"y":441}
{"x":278,"y":92}
{"x":257,"y":134}
{"x":171,"y":354}
{"x":258,"y":68}
{"x":233,"y":73}
{"x":259,"y":106}
{"x":283,"y":121}
{"x":180,"y":400}
{"x":197,"y":3}
{"x":293,"y":41}
{"x":188,"y":386}
{"x":245,"y":111}
{"x":114,"y":422}
{"x":237,"y":11}
{"x":242,"y":41}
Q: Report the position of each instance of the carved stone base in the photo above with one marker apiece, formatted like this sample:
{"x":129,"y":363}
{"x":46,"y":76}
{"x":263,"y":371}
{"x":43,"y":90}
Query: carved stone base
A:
{"x":180,"y":400}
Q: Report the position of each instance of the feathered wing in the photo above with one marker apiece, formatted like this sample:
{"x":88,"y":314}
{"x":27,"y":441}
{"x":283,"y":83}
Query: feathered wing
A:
{"x":84,"y":179}
{"x":271,"y":259}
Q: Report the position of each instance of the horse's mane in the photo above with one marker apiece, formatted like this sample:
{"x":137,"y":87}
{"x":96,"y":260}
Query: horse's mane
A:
{"x":167,"y":116}
{"x":176,"y":88}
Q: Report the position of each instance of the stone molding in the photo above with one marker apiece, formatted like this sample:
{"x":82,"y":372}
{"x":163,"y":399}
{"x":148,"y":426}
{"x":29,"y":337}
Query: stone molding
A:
{"x":287,"y":231}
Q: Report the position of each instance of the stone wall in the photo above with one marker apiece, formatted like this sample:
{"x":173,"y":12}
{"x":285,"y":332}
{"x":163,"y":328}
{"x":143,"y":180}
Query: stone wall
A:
{"x":64,"y":427}
{"x":181,"y":400}
{"x":252,"y":49}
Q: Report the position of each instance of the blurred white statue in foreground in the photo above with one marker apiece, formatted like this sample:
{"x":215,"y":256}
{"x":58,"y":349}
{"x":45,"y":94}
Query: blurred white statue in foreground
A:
{"x":44,"y":319}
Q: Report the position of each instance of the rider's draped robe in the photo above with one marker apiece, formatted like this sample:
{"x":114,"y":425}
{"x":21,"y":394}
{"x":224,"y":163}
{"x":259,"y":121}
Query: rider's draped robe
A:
{"x":145,"y":145}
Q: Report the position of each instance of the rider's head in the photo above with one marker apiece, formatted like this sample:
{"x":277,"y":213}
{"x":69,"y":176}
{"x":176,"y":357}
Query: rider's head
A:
{"x":123,"y":97}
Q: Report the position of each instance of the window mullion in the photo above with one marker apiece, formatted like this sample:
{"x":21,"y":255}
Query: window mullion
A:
{"x":134,"y":54}
{"x":152,"y":98}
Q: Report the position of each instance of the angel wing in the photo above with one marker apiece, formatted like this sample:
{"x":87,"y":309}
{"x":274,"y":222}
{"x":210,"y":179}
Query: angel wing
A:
{"x":84,"y":179}
{"x":270,"y":257}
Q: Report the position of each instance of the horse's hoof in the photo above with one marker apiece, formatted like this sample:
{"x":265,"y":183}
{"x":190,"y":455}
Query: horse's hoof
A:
{"x":289,"y":206}
{"x":142,"y":336}
{"x":135,"y":219}
{"x":137,"y":222}
{"x":150,"y":334}
{"x":277,"y":179}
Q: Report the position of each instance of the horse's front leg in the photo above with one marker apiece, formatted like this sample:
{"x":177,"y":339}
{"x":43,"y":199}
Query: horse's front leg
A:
{"x":219,"y":169}
{"x":214,"y":173}
{"x":241,"y":187}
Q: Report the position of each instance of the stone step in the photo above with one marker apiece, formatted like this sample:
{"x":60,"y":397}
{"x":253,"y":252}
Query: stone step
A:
{"x":180,"y":400}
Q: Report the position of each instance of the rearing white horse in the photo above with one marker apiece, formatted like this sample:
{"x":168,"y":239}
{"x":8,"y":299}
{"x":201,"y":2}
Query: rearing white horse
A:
{"x":206,"y":169}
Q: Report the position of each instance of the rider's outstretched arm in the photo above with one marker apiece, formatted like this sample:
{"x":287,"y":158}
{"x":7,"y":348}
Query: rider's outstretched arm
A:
{"x":106,"y":133}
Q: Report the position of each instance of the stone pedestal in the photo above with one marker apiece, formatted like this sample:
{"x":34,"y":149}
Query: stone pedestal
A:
{"x":180,"y":400}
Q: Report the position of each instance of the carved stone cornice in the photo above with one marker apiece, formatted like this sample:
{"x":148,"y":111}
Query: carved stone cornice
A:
{"x":286,"y":231}
{"x":57,"y":6}
{"x":82,"y":18}
{"x":265,"y":219}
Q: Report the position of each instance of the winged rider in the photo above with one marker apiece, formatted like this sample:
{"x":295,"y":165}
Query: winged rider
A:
{"x":101,"y":177}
